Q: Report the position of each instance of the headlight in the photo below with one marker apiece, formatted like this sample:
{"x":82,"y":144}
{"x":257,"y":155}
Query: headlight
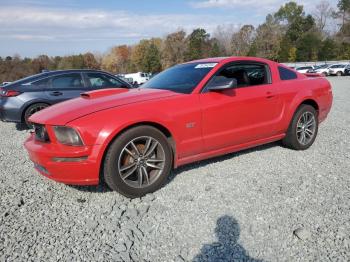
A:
{"x":67,"y":136}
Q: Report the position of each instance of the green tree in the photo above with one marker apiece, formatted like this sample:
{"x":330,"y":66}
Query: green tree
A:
{"x":146,"y":55}
{"x":308,"y":46}
{"x":197,"y":43}
{"x":328,"y":50}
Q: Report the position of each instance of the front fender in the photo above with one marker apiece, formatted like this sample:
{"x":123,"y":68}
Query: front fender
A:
{"x":101,"y":128}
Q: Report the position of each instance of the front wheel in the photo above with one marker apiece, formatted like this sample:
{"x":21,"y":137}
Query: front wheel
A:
{"x":303,"y":128}
{"x":138,"y":162}
{"x":339,"y":73}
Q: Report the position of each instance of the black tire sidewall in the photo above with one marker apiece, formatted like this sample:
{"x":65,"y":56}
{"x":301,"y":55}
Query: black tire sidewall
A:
{"x":292,"y":136}
{"x":111,"y":169}
{"x":26,"y":113}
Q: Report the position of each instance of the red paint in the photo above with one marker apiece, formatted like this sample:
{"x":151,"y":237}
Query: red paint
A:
{"x":221,"y":122}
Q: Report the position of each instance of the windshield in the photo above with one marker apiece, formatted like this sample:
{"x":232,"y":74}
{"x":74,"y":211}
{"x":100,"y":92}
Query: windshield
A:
{"x":181,"y":78}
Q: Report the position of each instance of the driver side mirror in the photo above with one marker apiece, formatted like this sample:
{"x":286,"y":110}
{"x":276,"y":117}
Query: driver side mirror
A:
{"x":223,"y":85}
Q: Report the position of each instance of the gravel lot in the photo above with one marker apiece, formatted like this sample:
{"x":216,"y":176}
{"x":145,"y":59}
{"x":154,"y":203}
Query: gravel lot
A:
{"x":265,"y":204}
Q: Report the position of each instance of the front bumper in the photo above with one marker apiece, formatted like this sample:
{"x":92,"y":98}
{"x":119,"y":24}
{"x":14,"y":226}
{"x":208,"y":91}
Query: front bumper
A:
{"x":44,"y":156}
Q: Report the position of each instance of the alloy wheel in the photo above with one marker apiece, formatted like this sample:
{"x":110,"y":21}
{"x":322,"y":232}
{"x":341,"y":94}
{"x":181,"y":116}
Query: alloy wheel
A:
{"x":141,"y":162}
{"x":306,"y":128}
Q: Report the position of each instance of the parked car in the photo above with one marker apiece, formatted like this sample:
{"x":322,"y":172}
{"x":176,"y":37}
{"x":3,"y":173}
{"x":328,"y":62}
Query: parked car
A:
{"x":138,"y":78}
{"x":192,"y":111}
{"x":304,"y":69}
{"x":338,"y":69}
{"x":322,"y":69}
{"x":22,"y":98}
{"x":347,"y":71}
{"x":5,"y":83}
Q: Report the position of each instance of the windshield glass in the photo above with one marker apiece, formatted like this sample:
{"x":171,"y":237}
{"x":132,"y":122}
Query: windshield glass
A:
{"x":181,"y":78}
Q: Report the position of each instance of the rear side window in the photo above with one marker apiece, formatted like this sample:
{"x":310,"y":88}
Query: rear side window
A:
{"x":42,"y":83}
{"x":67,"y":81}
{"x":286,"y":74}
{"x":103,"y":81}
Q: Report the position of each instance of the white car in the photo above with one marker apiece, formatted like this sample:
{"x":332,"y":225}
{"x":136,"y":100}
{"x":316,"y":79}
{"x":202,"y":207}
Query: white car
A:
{"x":5,"y":83}
{"x":338,"y":69}
{"x":304,"y":69}
{"x":322,"y":69}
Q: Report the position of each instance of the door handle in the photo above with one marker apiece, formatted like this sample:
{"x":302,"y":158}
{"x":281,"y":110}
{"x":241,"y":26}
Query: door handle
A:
{"x":56,"y":93}
{"x":269,"y":95}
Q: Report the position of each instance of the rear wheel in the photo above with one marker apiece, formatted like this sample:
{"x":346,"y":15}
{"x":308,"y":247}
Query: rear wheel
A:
{"x":138,"y":162}
{"x":339,"y":73}
{"x":303,"y":129}
{"x":32,"y":110}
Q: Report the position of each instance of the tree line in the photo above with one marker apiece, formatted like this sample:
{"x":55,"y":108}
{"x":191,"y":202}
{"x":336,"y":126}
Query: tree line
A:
{"x":288,"y":35}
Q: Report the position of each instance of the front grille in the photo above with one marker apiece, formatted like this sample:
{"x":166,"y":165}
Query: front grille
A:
{"x":41,"y":133}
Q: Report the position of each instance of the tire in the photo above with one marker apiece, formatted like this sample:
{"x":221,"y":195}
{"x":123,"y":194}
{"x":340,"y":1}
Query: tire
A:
{"x":339,"y":73}
{"x":32,"y":110}
{"x":296,"y":129}
{"x":129,"y":165}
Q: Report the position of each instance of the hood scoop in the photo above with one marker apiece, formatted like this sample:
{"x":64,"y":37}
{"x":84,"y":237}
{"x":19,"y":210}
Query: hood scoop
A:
{"x":103,"y":93}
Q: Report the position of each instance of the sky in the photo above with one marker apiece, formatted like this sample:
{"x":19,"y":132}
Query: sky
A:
{"x":33,"y":27}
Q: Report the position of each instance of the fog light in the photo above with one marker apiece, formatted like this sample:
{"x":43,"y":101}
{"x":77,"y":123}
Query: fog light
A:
{"x":69,"y":159}
{"x":41,"y":169}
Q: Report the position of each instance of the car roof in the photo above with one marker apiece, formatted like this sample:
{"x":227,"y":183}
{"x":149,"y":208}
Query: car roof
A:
{"x":229,"y":59}
{"x":46,"y":74}
{"x":49,"y":73}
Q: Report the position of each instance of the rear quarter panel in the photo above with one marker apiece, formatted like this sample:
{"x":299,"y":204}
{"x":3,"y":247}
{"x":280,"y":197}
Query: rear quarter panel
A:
{"x":294,"y":92}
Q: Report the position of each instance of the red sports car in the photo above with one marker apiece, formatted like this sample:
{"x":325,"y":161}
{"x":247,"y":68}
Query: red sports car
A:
{"x":132,"y":138}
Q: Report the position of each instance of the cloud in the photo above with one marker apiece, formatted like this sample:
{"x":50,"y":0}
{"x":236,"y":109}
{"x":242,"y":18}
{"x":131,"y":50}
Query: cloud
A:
{"x":59,"y":24}
{"x":257,"y":6}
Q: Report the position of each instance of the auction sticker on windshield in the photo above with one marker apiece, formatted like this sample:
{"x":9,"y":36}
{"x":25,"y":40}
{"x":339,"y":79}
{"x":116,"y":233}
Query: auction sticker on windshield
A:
{"x":208,"y":65}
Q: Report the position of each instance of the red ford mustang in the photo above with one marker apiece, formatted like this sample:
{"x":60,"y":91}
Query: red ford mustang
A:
{"x":132,"y":138}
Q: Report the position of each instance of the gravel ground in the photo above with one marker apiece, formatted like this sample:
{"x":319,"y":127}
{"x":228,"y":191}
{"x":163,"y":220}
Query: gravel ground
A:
{"x":265,"y":204}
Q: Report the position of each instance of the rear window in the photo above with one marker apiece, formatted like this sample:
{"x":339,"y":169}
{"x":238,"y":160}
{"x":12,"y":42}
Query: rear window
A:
{"x":286,"y":74}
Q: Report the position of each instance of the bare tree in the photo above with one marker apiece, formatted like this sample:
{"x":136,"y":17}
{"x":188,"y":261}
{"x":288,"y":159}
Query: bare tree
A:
{"x":322,"y":14}
{"x":242,"y":40}
{"x":223,"y":34}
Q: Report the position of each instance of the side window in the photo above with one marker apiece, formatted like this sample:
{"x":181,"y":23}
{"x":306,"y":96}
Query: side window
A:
{"x":246,"y":74}
{"x":286,"y":74}
{"x":42,"y":83}
{"x":102,"y":81}
{"x":67,"y":81}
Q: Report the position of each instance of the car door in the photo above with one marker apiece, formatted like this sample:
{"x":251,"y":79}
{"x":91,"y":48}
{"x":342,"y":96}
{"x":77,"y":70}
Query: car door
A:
{"x":101,"y":81}
{"x":65,"y":86}
{"x":241,"y":115}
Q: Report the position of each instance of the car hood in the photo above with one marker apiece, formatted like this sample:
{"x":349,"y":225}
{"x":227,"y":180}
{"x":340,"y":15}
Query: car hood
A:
{"x":94,"y":101}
